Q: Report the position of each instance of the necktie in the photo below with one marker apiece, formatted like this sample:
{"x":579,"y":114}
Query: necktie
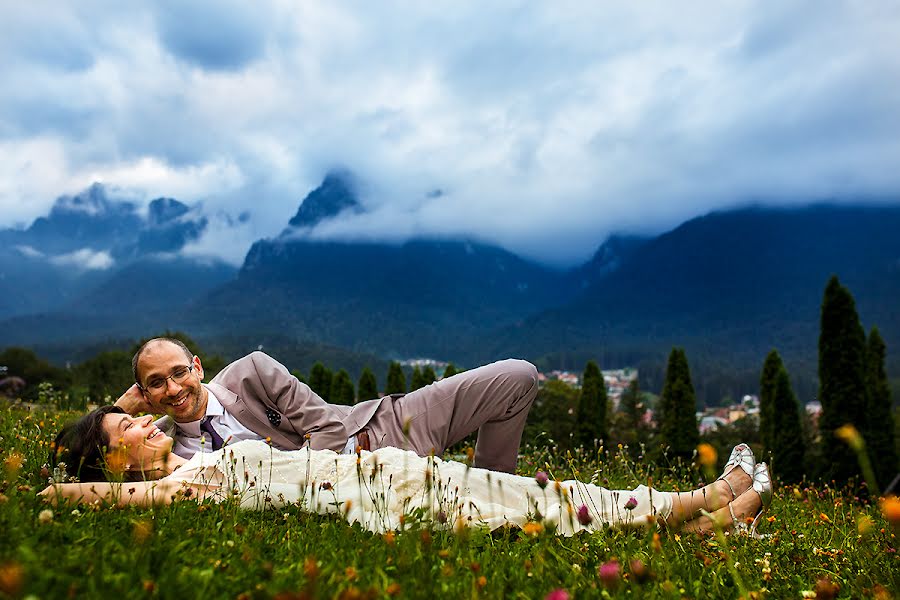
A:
{"x":207,"y":427}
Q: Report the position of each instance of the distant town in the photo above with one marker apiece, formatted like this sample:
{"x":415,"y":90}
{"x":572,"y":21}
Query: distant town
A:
{"x":618,"y":380}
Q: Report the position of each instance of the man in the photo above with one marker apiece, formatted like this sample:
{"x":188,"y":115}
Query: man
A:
{"x":256,"y":397}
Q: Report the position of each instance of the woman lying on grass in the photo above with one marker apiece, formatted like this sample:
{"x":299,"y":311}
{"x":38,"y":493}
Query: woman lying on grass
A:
{"x":377,"y":489}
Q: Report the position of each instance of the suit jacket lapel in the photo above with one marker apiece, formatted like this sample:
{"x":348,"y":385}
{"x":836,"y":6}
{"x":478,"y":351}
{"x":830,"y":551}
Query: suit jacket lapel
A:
{"x":240,"y":410}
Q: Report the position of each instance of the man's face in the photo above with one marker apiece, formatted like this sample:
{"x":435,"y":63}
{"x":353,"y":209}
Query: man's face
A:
{"x":184,"y":401}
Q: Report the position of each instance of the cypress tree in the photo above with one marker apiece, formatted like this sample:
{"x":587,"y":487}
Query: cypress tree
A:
{"x":677,"y":408}
{"x":879,"y":433}
{"x":428,"y":375}
{"x":591,"y":406}
{"x":417,"y":381}
{"x":368,"y":386}
{"x":320,"y":381}
{"x":449,"y":371}
{"x":633,"y":412}
{"x":842,"y":379}
{"x":768,"y":381}
{"x":396,"y":380}
{"x":342,"y":391}
{"x":787,"y":448}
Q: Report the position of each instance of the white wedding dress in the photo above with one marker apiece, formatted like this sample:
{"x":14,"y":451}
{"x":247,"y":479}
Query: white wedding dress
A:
{"x":382,"y":489}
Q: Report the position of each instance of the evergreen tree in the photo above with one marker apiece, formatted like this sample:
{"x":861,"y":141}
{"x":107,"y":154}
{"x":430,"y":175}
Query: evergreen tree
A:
{"x":768,"y":419}
{"x":630,"y":404}
{"x":368,"y":386}
{"x":677,"y":408}
{"x":591,"y":406}
{"x":879,"y":434}
{"x":842,"y":379}
{"x":417,"y":381}
{"x":342,"y":391}
{"x":300,"y":376}
{"x":320,"y":381}
{"x":396,"y":380}
{"x":428,"y":375}
{"x":449,"y":371}
{"x":787,"y":448}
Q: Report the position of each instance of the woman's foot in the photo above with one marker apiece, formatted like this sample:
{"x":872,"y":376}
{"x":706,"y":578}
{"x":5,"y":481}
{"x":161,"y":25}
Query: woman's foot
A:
{"x":737,"y":514}
{"x":738,"y":473}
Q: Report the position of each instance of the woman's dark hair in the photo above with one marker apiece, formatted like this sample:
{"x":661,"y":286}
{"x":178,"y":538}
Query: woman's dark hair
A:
{"x":82,"y":445}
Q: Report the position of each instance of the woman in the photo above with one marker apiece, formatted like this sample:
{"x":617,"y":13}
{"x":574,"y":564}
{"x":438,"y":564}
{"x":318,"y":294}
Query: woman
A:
{"x":378,"y":489}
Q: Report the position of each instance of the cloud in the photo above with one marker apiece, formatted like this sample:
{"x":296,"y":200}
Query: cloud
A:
{"x":547,"y":127}
{"x":85,"y":258}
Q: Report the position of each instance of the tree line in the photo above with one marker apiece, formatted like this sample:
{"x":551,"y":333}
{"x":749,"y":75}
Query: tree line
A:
{"x":855,"y":433}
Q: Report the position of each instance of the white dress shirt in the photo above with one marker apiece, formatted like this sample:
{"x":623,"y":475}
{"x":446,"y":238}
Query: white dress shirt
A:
{"x":190,"y":439}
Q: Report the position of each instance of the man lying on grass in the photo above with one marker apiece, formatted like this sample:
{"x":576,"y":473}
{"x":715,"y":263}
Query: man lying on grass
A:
{"x":377,"y":489}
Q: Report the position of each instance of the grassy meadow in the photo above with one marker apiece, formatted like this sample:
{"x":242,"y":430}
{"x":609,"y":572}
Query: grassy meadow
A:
{"x":821,"y":543}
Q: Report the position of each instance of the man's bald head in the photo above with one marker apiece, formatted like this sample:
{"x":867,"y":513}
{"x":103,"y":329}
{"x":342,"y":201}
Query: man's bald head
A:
{"x":149,"y":343}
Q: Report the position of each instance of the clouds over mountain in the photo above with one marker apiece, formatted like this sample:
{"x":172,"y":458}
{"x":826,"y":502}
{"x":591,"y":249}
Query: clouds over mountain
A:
{"x":544,"y":127}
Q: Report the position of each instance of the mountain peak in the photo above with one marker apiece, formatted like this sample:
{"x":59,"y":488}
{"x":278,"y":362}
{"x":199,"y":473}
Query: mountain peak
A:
{"x":164,"y":210}
{"x":336,"y":194}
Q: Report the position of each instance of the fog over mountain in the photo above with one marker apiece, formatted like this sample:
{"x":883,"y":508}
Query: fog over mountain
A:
{"x":537,"y":128}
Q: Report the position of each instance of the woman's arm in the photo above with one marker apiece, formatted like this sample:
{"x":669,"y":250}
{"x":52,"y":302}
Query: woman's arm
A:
{"x":138,"y":493}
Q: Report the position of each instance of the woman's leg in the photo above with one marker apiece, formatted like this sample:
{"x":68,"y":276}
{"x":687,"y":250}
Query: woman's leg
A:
{"x":744,"y":506}
{"x":715,"y":496}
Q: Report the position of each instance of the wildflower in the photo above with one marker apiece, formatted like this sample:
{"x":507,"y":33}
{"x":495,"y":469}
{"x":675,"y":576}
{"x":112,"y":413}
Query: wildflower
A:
{"x":707,"y":455}
{"x":392,"y":589}
{"x":890,"y":508}
{"x":141,"y":531}
{"x":584,"y":515}
{"x":542,"y":479}
{"x":45,"y":516}
{"x":639,"y":571}
{"x":350,"y":573}
{"x":11,"y":578}
{"x":149,"y":586}
{"x":826,"y":589}
{"x":442,"y":517}
{"x":823,"y":517}
{"x":864,"y":525}
{"x":557,"y":594}
{"x":850,"y":435}
{"x":389,"y":538}
{"x":310,"y":568}
{"x":656,"y":544}
{"x":632,"y":502}
{"x":482,"y":581}
{"x":13,"y":463}
{"x":609,"y":573}
{"x":326,"y":485}
{"x":470,"y":455}
{"x":532,"y":528}
{"x":115,"y":461}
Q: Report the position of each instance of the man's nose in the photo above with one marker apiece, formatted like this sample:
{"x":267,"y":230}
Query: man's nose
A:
{"x":172,"y":387}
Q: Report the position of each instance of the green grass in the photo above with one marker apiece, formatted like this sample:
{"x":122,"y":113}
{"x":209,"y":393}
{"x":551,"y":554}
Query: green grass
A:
{"x":218,"y":551}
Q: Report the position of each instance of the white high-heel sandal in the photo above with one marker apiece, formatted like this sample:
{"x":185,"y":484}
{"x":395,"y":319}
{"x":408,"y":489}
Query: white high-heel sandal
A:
{"x":762,"y":485}
{"x":741,"y":457}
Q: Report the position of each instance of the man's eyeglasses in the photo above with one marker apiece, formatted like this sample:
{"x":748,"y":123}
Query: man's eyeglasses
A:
{"x":178,"y":376}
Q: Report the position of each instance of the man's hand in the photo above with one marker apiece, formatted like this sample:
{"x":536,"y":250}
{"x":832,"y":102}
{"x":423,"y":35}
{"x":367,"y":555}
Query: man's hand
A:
{"x":133,"y":402}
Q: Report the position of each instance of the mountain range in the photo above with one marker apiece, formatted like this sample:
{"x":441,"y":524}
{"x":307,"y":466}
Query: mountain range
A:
{"x":728,"y":286}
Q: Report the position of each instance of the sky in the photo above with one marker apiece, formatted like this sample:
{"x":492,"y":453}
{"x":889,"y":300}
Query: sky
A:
{"x":539,"y":126}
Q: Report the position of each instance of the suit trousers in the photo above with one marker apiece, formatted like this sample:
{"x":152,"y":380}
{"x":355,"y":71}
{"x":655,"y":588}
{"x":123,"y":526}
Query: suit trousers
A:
{"x":493,"y":399}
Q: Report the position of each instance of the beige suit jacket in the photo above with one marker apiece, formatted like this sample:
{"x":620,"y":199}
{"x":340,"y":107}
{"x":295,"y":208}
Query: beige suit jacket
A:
{"x":265,"y":398}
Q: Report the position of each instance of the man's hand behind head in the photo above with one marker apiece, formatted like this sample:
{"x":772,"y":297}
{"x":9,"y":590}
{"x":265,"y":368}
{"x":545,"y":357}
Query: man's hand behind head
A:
{"x":134,"y":403}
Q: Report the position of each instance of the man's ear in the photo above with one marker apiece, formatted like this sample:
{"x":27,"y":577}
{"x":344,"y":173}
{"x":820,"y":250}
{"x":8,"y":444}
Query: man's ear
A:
{"x":198,"y":366}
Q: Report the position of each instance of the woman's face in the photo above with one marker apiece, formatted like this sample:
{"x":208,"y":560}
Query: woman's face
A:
{"x":144,"y":444}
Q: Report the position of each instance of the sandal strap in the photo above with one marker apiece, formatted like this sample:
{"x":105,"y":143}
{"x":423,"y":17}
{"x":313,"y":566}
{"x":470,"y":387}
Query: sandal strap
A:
{"x":730,"y":487}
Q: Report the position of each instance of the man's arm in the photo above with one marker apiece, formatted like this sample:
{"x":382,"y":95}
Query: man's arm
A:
{"x":134,"y":403}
